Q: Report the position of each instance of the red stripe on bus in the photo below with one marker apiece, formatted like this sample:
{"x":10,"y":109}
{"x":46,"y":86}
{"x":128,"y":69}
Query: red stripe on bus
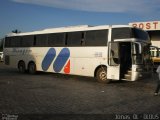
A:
{"x":67,"y":67}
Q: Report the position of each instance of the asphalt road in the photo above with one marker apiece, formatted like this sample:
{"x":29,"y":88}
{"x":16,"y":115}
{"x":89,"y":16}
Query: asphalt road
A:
{"x":56,"y":94}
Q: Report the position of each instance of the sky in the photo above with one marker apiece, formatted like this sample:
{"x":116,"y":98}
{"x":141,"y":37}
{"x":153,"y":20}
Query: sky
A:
{"x":31,"y":15}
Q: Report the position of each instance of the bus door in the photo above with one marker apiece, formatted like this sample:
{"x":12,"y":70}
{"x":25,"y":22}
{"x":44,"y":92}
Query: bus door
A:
{"x":113,"y":70}
{"x":120,"y":60}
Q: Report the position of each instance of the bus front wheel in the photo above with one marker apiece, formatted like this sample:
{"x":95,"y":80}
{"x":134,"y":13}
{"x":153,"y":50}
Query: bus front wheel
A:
{"x":32,"y":68}
{"x":101,"y":75}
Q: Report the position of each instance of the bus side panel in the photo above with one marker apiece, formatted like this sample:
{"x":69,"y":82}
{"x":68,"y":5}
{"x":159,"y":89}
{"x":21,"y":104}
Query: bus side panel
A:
{"x":81,"y":61}
{"x":84,"y":60}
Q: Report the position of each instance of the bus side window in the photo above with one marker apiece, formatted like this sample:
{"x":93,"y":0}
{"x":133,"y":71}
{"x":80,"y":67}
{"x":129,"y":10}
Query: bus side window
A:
{"x":96,"y":38}
{"x":27,"y":41}
{"x":41,"y":40}
{"x":74,"y":38}
{"x":7,"y":42}
{"x":83,"y":39}
{"x":56,"y":39}
{"x":34,"y":42}
{"x":121,"y":33}
{"x":15,"y":41}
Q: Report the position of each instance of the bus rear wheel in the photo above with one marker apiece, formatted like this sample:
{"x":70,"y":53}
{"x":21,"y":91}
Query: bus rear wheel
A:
{"x":101,"y":75}
{"x":21,"y":67}
{"x":32,"y":68}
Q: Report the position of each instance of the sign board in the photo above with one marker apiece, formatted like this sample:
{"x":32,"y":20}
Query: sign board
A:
{"x":148,"y":26}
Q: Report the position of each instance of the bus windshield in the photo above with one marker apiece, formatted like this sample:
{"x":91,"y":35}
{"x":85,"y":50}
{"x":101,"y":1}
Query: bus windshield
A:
{"x":141,"y":54}
{"x":140,"y":34}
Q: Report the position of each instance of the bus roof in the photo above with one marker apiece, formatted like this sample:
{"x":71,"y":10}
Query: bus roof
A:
{"x":68,"y":29}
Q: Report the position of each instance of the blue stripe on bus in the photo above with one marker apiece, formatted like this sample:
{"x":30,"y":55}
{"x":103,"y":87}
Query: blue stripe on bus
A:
{"x":48,"y":59}
{"x":61,"y":59}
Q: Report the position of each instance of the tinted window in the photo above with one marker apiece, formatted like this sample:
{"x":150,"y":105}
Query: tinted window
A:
{"x":140,"y":34}
{"x":7,"y":41}
{"x":56,"y":39}
{"x":27,"y":41}
{"x":74,"y":38}
{"x":96,"y":38}
{"x":15,"y":41}
{"x":41,"y":40}
{"x":121,"y":33}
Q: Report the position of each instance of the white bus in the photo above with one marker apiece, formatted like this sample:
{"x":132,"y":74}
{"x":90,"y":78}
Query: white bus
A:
{"x":117,"y":52}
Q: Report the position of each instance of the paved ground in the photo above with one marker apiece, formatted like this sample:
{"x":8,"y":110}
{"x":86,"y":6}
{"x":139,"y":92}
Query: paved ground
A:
{"x":55,"y":94}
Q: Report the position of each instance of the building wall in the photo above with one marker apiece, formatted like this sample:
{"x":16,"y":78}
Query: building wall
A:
{"x":153,"y":29}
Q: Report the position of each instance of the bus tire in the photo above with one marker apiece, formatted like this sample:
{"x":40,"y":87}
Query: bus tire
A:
{"x":101,"y":75}
{"x":21,"y":67}
{"x":32,"y":68}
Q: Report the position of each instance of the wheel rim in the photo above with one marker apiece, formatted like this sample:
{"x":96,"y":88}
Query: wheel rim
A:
{"x":31,"y":68}
{"x":103,"y":75}
{"x":21,"y":69}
